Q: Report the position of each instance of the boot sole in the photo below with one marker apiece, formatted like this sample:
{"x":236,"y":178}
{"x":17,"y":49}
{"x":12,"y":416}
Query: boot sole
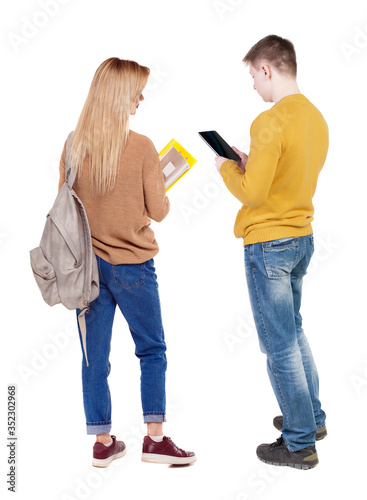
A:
{"x":105,"y":462}
{"x":154,"y":458}
{"x":293,"y":465}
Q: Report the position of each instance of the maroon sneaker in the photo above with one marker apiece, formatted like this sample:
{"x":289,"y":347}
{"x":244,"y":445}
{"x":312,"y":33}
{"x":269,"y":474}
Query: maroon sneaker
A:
{"x":165,"y":452}
{"x":104,"y":455}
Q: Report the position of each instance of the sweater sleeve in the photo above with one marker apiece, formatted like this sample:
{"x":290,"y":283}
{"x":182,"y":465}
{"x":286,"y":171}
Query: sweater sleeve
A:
{"x":252,"y":187}
{"x":156,"y":202}
{"x":62,"y":167}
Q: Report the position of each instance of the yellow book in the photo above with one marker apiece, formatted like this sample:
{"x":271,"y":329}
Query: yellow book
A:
{"x":176,"y":162}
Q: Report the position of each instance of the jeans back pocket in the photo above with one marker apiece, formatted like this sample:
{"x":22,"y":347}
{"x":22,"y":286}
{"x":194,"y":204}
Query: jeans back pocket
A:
{"x":280,"y":256}
{"x":128,"y":275}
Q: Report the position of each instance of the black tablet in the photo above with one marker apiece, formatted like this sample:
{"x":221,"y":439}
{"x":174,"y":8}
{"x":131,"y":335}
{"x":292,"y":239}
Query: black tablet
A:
{"x":219,"y":145}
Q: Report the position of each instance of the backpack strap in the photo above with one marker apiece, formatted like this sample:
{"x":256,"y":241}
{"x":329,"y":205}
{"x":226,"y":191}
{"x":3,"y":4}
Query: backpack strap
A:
{"x":70,"y":173}
{"x":88,"y":257}
{"x":83,"y":329}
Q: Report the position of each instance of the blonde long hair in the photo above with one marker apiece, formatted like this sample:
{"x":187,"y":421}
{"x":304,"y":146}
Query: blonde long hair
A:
{"x":102,"y":130}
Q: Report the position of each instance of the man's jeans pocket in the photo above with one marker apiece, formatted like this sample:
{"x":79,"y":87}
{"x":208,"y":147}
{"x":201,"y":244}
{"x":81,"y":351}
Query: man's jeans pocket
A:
{"x":312,"y":244}
{"x":128,"y":275}
{"x":280,"y":256}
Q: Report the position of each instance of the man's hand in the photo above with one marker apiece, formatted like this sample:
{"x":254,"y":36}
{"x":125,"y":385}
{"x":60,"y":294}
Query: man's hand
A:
{"x":241,"y":163}
{"x":219,"y":160}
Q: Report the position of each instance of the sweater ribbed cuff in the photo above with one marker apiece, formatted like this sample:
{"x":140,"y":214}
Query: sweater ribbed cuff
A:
{"x":226,"y":166}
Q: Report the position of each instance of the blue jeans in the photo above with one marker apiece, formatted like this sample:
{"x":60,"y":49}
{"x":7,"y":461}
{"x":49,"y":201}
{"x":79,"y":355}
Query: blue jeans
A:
{"x":274,"y":274}
{"x":134,"y":288}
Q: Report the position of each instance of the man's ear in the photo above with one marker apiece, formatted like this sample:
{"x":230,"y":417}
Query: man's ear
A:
{"x":266,"y":70}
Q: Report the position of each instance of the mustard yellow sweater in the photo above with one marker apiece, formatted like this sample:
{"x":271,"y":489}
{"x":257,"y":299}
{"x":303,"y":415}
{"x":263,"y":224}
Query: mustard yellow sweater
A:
{"x":289,"y":144}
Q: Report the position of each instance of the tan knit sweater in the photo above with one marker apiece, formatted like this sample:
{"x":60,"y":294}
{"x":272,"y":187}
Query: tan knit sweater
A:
{"x":119,"y":220}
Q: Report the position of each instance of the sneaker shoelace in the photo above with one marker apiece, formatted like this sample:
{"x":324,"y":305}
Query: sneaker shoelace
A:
{"x":277,"y":443}
{"x":170,"y":440}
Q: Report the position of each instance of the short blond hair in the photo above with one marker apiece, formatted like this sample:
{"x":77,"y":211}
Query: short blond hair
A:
{"x":275,"y":50}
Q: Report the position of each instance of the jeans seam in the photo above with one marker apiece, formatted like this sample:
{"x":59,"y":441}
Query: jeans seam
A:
{"x":154,"y":413}
{"x":281,"y":395}
{"x":304,"y":249}
{"x":108,"y":390}
{"x":100,"y":270}
{"x":108,"y":401}
{"x":263,"y":325}
{"x":257,"y":298}
{"x":99,"y":423}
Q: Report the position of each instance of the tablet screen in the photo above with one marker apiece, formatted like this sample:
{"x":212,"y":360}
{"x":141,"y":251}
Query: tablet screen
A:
{"x":219,"y":145}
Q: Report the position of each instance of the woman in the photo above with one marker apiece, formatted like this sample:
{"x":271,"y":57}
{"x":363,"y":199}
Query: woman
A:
{"x":120,"y":182}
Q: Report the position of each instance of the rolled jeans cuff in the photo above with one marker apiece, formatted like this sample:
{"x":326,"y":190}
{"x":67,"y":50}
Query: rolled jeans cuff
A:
{"x":154,"y":417}
{"x":98,"y":428}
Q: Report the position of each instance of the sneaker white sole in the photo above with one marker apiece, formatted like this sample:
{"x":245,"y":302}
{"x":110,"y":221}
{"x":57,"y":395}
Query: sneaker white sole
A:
{"x":105,"y":462}
{"x":155,"y":458}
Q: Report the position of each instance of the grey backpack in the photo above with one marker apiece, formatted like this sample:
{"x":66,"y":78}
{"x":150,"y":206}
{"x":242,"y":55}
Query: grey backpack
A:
{"x":64,"y":265}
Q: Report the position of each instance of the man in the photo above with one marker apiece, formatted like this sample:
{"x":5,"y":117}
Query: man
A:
{"x":276,"y":183}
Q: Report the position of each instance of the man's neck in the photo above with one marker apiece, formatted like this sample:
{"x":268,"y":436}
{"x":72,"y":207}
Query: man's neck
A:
{"x":287,"y":87}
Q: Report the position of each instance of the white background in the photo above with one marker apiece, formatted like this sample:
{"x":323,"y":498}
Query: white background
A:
{"x":220,"y":403}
